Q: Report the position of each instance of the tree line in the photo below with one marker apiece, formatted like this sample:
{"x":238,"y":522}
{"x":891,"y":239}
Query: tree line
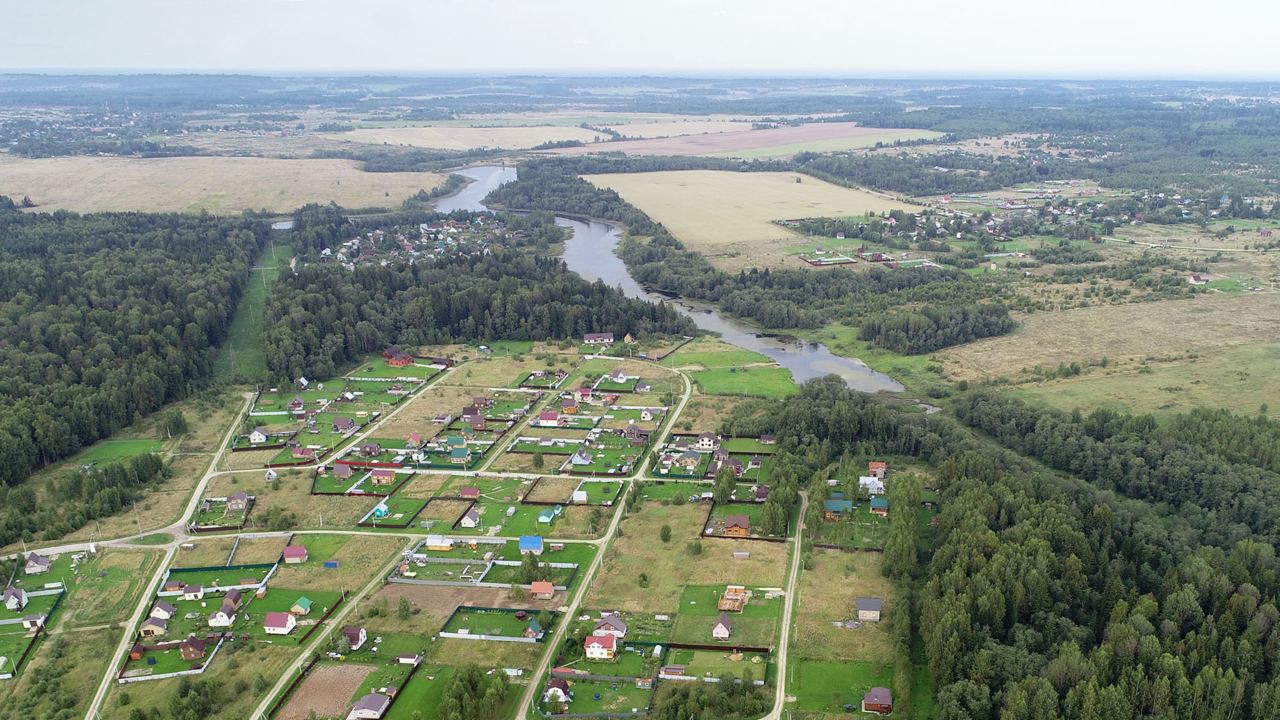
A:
{"x":108,"y":317}
{"x":934,"y":328}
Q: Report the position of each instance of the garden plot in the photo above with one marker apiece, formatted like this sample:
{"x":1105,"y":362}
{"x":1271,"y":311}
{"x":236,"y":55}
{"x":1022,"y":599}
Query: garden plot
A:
{"x":253,"y":550}
{"x":416,"y":373}
{"x":499,"y":624}
{"x":755,"y":626}
{"x":590,"y":698}
{"x":713,"y":664}
{"x":393,"y":512}
{"x":552,"y":490}
{"x":326,"y":691}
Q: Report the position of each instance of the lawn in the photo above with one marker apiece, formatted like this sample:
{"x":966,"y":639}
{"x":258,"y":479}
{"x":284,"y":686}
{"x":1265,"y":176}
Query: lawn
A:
{"x":501,"y":623}
{"x":827,"y":686}
{"x":321,"y":547}
{"x":709,"y":353}
{"x":711,"y":663}
{"x":107,"y":587}
{"x":401,"y":512}
{"x":591,"y":697}
{"x":601,"y":492}
{"x":420,"y":698}
{"x":606,"y":460}
{"x":755,"y":626}
{"x":378,"y":368}
{"x":764,"y":382}
{"x":860,"y":530}
{"x":826,"y":594}
{"x":625,"y":664}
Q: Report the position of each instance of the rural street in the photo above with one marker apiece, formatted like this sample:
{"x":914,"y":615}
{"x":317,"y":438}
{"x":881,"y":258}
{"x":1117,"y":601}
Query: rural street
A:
{"x":788,"y":608}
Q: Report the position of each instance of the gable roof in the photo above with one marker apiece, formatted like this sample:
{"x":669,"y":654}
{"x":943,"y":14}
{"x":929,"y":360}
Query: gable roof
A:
{"x":611,"y":622}
{"x":838,"y":505}
{"x":869,"y":604}
{"x":608,"y":642}
{"x":724,"y":620}
{"x":741,"y":521}
{"x":879,"y":503}
{"x":373,"y":702}
{"x":277,"y":620}
{"x":303,"y":602}
{"x":538,"y":587}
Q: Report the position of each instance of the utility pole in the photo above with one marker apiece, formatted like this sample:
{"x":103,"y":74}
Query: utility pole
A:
{"x":137,"y":517}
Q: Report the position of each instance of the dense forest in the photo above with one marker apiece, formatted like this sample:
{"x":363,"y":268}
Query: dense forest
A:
{"x":933,"y":328}
{"x":107,"y":317}
{"x":325,"y":316}
{"x":1050,"y":596}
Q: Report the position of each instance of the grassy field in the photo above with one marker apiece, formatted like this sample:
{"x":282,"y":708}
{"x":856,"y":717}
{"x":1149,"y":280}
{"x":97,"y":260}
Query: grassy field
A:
{"x":466,"y":138}
{"x":765,"y":382}
{"x":241,"y":356}
{"x":1235,"y":378}
{"x":222,"y":185}
{"x":825,"y":145}
{"x":109,"y":450}
{"x":1211,"y":324}
{"x":72,"y":664}
{"x":708,"y":353}
{"x":826,"y":594}
{"x":729,"y":216}
{"x":772,"y":142}
{"x":591,"y":697}
{"x":107,"y":587}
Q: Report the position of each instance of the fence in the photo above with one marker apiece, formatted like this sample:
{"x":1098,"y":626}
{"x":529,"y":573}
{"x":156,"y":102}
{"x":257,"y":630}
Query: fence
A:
{"x":497,"y":638}
{"x":143,"y":678}
{"x":40,"y":631}
{"x":323,"y":618}
{"x":219,"y":588}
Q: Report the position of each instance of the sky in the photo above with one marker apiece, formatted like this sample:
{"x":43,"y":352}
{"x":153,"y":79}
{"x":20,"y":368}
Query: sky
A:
{"x":1229,"y":39}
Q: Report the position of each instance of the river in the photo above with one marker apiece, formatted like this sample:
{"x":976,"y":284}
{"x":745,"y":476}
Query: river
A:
{"x":590,"y":253}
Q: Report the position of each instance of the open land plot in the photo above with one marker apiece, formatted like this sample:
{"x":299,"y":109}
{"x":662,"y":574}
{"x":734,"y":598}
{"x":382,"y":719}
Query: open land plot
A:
{"x":460,"y":653}
{"x":551,"y":489}
{"x":428,"y":485}
{"x":762,"y":382}
{"x":443,"y":513}
{"x":467,"y":138}
{"x":669,"y":567}
{"x":1120,"y":332}
{"x":207,"y":552}
{"x":434,"y":604}
{"x":220,"y":185}
{"x":326,"y":692}
{"x":400,"y":512}
{"x":499,"y":623}
{"x":60,"y":676}
{"x":107,"y":586}
{"x":358,"y":559}
{"x":419,"y":413}
{"x":420,"y":697}
{"x":826,"y":594}
{"x":772,"y":142}
{"x":259,"y":550}
{"x":704,"y":413}
{"x":755,"y":626}
{"x":1235,"y":378}
{"x":378,"y":368}
{"x":729,"y":216}
{"x":293,"y":495}
{"x":827,"y":686}
{"x":497,"y":372}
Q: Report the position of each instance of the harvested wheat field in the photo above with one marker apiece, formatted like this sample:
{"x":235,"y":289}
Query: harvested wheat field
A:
{"x":1118,"y":332}
{"x":773,"y":142}
{"x":466,"y":138}
{"x":220,"y":185}
{"x":326,"y":692}
{"x":729,"y":216}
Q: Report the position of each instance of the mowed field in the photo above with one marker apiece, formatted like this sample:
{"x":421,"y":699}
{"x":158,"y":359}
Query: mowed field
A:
{"x":466,"y":138}
{"x":1204,"y":325}
{"x":220,"y":185}
{"x":773,"y":142}
{"x":728,"y":216}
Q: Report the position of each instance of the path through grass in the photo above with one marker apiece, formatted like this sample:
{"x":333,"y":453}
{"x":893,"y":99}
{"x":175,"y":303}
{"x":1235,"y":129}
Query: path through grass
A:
{"x":241,"y":357}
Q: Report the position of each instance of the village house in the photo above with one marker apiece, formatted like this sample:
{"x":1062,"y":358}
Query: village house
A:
{"x":343,"y":424}
{"x":460,"y":456}
{"x":301,"y":607}
{"x":295,"y":554}
{"x":14,"y":599}
{"x":548,"y":418}
{"x":237,"y":502}
{"x":737,"y":526}
{"x":760,"y":493}
{"x":617,"y":376}
{"x":542,"y":589}
{"x":382,"y":476}
{"x":869,"y":608}
{"x":258,"y":436}
{"x":723,"y":628}
{"x":483,"y":402}
{"x":688,"y":460}
{"x":647,"y":414}
{"x":708,"y":441}
{"x":557,"y":691}
{"x":533,"y":629}
{"x":1198,"y":279}
{"x":32,"y":622}
{"x":36,"y":564}
{"x":531,"y":544}
{"x":370,"y":707}
{"x":470,"y":519}
{"x":597,"y":339}
{"x":469,"y":493}
{"x":837,"y":508}
{"x":414,"y":440}
{"x":581,"y":457}
{"x":279,"y":623}
{"x":371,"y":449}
{"x":296,"y":406}
{"x":172,"y":586}
{"x":877,"y":469}
{"x":193,"y":592}
{"x":163,"y":610}
{"x":153,"y":627}
{"x":225,"y":615}
{"x":880,"y":506}
{"x":569,"y":406}
{"x":302,"y":453}
{"x":878,"y":700}
{"x":600,"y":647}
{"x":611,"y":625}
{"x":871,"y":484}
{"x":343,"y":472}
{"x":191,"y":649}
{"x":356,"y":636}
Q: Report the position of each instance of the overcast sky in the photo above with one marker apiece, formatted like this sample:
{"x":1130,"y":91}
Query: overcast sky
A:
{"x":850,"y":38}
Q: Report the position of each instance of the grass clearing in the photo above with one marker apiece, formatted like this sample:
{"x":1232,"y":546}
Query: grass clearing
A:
{"x":106,"y":587}
{"x":358,"y":558}
{"x":828,"y":686}
{"x":242,"y":356}
{"x":763,"y":382}
{"x":729,"y":216}
{"x":826,"y":594}
{"x":220,"y":185}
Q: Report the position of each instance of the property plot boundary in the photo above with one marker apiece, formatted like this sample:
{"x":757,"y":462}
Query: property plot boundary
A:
{"x":283,"y":698}
{"x":365,"y":523}
{"x":121,"y":679}
{"x":499,"y":638}
{"x":41,"y":631}
{"x":711,"y":511}
{"x":244,"y":520}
